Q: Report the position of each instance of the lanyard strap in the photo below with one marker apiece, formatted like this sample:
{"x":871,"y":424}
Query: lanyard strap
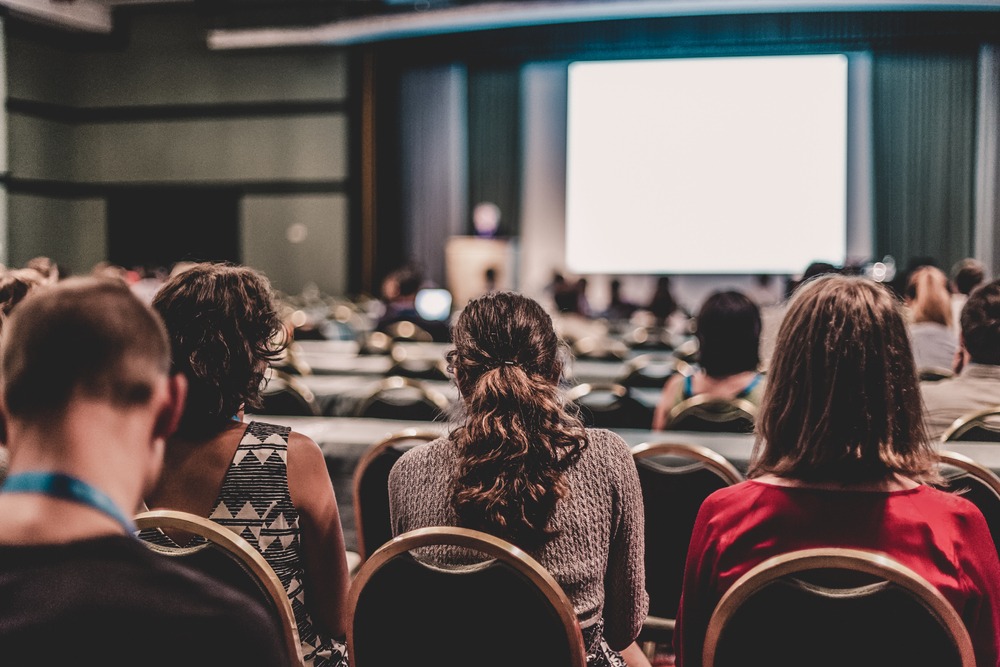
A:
{"x":65,"y":487}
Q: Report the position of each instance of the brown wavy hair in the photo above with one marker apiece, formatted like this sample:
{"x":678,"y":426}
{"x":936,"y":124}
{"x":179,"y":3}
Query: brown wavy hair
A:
{"x":842,"y":402}
{"x":516,"y":435}
{"x":224,"y":331}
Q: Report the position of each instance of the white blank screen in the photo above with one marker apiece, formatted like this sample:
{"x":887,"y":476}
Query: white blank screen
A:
{"x":708,"y":165}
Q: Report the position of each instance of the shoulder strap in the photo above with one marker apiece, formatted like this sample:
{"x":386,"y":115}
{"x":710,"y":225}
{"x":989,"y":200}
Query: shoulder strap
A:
{"x":750,"y":386}
{"x":688,"y":390}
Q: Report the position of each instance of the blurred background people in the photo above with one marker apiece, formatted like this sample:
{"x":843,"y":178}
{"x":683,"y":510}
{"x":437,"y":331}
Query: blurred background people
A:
{"x":929,"y":305}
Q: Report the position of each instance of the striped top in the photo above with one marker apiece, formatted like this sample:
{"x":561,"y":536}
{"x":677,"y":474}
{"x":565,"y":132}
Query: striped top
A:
{"x":255,"y":503}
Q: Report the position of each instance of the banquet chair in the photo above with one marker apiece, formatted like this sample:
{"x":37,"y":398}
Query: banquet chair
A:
{"x":286,"y":395}
{"x":506,"y":610}
{"x":981,"y":426}
{"x":675,"y":478}
{"x":933,"y":374}
{"x":371,"y":487}
{"x":397,"y":397}
{"x":717,"y":415}
{"x":228,"y":557}
{"x":830,"y":607}
{"x":974,"y":482}
{"x":610,"y":405}
{"x":648,"y":370}
{"x":405,"y":330}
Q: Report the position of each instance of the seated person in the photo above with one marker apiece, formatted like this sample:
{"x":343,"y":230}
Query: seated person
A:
{"x":520,"y":465}
{"x":222,"y":324}
{"x":932,"y":338}
{"x":842,"y":460}
{"x":88,"y":400}
{"x":977,"y":385}
{"x":401,"y":297}
{"x":966,"y":275}
{"x":728,"y":331}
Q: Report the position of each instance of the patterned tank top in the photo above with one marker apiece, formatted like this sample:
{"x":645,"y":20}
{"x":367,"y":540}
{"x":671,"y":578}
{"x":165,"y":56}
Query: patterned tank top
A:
{"x":255,"y":503}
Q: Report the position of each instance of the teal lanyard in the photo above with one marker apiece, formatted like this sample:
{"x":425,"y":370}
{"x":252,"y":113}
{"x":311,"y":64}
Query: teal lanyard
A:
{"x":65,"y":487}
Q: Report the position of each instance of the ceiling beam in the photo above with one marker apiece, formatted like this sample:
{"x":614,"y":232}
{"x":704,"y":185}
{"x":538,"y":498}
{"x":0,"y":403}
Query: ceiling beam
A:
{"x":492,"y":15}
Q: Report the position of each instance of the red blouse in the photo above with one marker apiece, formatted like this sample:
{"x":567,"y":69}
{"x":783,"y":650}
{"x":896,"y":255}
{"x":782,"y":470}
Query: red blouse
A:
{"x":941,"y":536}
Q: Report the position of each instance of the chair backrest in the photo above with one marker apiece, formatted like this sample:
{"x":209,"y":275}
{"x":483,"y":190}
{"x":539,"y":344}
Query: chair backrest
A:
{"x":975,"y":482}
{"x":371,"y":487}
{"x":408,"y":331}
{"x":933,"y":373}
{"x":397,"y":397}
{"x":675,"y":479}
{"x":648,"y":370}
{"x":716,"y":415}
{"x":224,"y":555}
{"x":833,"y":606}
{"x":982,"y":426}
{"x":504,"y":611}
{"x":610,"y":405}
{"x":285,"y":394}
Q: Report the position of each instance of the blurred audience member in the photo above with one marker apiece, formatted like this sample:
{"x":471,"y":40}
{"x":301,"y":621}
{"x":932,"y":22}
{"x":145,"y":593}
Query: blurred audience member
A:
{"x":619,"y":308}
{"x":88,"y":401}
{"x":728,"y":332}
{"x":49,"y":270}
{"x":399,"y":291}
{"x":977,"y":383}
{"x":662,"y":304}
{"x":966,"y":275}
{"x":842,"y":460}
{"x":929,"y":304}
{"x":15,"y":284}
{"x":222,"y":324}
{"x":765,"y":290}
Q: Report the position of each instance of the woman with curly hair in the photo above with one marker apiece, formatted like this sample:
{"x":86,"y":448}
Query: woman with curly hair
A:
{"x":520,"y":465}
{"x":265,"y":482}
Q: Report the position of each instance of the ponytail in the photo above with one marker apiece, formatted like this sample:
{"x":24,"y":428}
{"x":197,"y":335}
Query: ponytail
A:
{"x":517,"y":436}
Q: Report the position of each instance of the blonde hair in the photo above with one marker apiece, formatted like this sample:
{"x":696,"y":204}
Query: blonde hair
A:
{"x":928,"y":297}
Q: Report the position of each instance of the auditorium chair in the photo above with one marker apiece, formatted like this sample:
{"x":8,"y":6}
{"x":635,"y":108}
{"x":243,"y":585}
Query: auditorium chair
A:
{"x":286,"y":395}
{"x":371,"y":487}
{"x":830,"y":607}
{"x":716,"y":415}
{"x":610,"y":405}
{"x":974,"y":482}
{"x":397,"y":397}
{"x":980,"y":426}
{"x":224,"y":555}
{"x":650,"y":370}
{"x":507,"y":610}
{"x":675,"y":478}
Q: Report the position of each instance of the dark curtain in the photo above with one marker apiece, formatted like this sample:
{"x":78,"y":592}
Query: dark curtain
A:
{"x":495,"y":143}
{"x":924,"y":127}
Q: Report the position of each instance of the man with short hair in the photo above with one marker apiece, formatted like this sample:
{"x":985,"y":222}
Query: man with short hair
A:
{"x":966,"y":275}
{"x":87,"y":400}
{"x":976,"y":385}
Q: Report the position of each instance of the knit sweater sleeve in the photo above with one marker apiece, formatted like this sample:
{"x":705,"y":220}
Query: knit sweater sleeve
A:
{"x":626,"y":601}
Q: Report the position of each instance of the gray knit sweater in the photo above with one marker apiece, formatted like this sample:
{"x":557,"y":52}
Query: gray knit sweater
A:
{"x":597,"y":554}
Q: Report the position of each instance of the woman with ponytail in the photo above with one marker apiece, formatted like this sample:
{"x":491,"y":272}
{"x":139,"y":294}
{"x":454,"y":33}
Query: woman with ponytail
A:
{"x":520,"y":465}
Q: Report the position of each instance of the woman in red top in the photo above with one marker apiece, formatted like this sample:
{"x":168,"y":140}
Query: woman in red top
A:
{"x":842,"y":459}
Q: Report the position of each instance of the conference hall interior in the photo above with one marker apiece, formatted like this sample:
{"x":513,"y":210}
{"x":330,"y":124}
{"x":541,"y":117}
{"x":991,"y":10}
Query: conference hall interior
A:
{"x":642,"y":179}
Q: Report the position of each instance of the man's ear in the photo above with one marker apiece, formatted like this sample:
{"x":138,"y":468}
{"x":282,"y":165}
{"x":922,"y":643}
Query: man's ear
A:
{"x":170,"y":412}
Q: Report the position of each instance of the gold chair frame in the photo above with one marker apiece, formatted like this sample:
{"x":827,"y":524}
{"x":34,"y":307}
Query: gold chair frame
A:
{"x":295,"y":385}
{"x":371,"y":454}
{"x":736,"y":405}
{"x":966,"y":422}
{"x":493,"y":547}
{"x":399,"y":382}
{"x":876,"y":564}
{"x":221,"y":537}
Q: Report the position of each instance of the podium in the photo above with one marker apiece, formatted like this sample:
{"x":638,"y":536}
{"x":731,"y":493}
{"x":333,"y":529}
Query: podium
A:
{"x":468,"y":259}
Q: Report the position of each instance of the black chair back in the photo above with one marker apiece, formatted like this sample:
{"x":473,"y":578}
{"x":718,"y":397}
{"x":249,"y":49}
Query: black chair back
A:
{"x":675,"y":479}
{"x":980,"y":426}
{"x":506,"y":611}
{"x":835,"y":607}
{"x":713,"y":415}
{"x":403,"y":398}
{"x":649,"y":371}
{"x":610,"y":406}
{"x":371,"y":488}
{"x":976,"y":483}
{"x":286,"y":395}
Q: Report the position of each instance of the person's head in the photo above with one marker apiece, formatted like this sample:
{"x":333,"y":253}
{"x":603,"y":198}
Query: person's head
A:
{"x":14,"y":286}
{"x":46,"y":267}
{"x":516,"y":436}
{"x":967,"y":274}
{"x":224,"y":331}
{"x":842,"y":402}
{"x":927,"y":296}
{"x":88,"y":339}
{"x":728,"y":331}
{"x":981,"y":324}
